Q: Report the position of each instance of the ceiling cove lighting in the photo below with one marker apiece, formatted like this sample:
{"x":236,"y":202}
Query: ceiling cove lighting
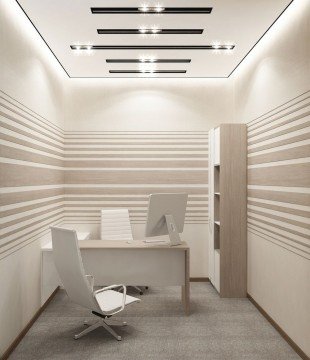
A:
{"x":144,"y":9}
{"x":147,"y":61}
{"x":153,"y":47}
{"x":147,"y":71}
{"x":149,"y":31}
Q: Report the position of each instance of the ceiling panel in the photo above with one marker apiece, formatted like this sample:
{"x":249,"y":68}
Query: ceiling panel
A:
{"x":231,"y":22}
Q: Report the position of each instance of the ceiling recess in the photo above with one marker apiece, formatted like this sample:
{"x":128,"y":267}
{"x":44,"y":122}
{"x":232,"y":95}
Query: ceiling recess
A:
{"x":152,"y":47}
{"x":147,"y":71}
{"x":124,"y":61}
{"x":149,"y":31}
{"x":151,"y":10}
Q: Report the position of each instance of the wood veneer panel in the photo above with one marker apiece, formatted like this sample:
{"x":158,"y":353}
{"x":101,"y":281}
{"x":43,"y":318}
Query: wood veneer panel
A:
{"x":233,"y":233}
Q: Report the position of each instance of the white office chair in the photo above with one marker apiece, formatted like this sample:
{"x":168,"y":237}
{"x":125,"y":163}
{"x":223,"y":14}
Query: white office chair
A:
{"x":104,"y":302}
{"x":115,"y":225}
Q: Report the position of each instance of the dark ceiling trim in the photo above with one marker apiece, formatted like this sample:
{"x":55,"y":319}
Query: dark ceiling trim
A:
{"x":149,"y":31}
{"x":260,"y":39}
{"x":151,"y":47}
{"x":42,"y":38}
{"x":147,"y":71}
{"x":141,"y":61}
{"x":151,"y":10}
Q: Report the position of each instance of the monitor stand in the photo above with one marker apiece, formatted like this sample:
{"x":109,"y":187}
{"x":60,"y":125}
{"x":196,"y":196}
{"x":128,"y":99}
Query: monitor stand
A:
{"x":173,"y":232}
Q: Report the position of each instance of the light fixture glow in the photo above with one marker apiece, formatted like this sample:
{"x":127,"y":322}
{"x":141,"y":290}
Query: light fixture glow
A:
{"x":144,"y":8}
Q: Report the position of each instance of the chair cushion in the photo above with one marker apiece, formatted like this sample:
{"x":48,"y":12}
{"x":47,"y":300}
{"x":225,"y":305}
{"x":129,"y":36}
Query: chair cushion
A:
{"x":110,"y":300}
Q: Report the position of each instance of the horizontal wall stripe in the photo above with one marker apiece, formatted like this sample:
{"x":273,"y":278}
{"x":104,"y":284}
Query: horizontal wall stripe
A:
{"x":13,"y":145}
{"x":140,"y":177}
{"x":283,"y":122}
{"x":281,"y":216}
{"x":18,"y":127}
{"x":288,"y":154}
{"x":25,"y":227}
{"x":283,"y":140}
{"x":15,"y":138}
{"x":16,"y":198}
{"x":29,"y":156}
{"x":280,"y":163}
{"x":170,"y":163}
{"x":18,"y":175}
{"x":279,"y":176}
{"x":136,"y":156}
{"x":18,"y":209}
{"x":288,"y":130}
{"x":8,"y":190}
{"x":137,"y":142}
{"x":284,"y":175}
{"x":274,"y":240}
{"x":293,"y":189}
{"x":18,"y":105}
{"x":281,"y":235}
{"x":286,"y":207}
{"x":291,"y":104}
{"x":28,"y":122}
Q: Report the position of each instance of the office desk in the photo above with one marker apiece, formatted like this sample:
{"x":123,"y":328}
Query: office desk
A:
{"x":138,"y":263}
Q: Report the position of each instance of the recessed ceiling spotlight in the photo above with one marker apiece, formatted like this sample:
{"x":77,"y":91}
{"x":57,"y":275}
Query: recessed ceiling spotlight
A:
{"x":229,"y":47}
{"x":159,"y":8}
{"x":216,"y":46}
{"x":144,"y":8}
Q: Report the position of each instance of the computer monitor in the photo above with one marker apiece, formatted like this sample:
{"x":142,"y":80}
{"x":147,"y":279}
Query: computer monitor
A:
{"x":166,"y":215}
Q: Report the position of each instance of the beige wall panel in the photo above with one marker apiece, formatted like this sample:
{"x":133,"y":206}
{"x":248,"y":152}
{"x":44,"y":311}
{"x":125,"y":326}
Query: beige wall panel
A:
{"x":284,"y":209}
{"x":136,"y":177}
{"x":282,"y":196}
{"x":18,"y":154}
{"x":19,"y":197}
{"x":287,"y":154}
{"x":297,"y":175}
{"x":30,"y":145}
{"x":141,"y":190}
{"x":290,"y":140}
{"x":21,"y":175}
{"x":174,"y":163}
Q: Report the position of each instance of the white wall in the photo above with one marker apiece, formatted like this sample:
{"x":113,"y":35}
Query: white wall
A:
{"x":31,"y":76}
{"x":147,"y":104}
{"x":275,"y":72}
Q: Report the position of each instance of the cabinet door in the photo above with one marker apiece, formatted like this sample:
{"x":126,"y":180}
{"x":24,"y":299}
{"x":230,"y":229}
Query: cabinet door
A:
{"x":210,"y":206}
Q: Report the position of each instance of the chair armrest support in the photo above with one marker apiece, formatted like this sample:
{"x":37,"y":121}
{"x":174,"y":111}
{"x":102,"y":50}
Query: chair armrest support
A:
{"x":120,"y":308}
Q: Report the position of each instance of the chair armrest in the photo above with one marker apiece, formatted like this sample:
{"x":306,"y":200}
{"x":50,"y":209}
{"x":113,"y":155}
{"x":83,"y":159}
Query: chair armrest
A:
{"x":91,"y":280}
{"x":120,"y":308}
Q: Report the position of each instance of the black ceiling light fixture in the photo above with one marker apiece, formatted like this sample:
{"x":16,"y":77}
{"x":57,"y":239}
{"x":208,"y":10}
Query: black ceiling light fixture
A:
{"x":147,"y":61}
{"x":151,"y":10}
{"x":148,"y":71}
{"x":151,"y":31}
{"x":152,"y":47}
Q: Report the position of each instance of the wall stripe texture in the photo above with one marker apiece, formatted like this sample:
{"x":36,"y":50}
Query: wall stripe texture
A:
{"x":31,"y":175}
{"x":120,"y":169}
{"x":279,"y":176}
{"x":50,"y":177}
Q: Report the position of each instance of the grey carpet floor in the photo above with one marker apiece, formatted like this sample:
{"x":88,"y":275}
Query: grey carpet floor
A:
{"x":217,"y":329}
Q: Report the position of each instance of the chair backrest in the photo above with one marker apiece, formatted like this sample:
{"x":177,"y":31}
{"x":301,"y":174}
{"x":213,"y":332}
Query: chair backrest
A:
{"x":68,"y":262}
{"x":115,"y":225}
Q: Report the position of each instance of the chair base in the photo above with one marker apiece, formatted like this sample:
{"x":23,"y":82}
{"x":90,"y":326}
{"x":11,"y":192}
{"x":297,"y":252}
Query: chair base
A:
{"x":104,"y":324}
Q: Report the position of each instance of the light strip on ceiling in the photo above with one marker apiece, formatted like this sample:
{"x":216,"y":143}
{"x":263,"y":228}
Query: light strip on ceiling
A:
{"x":153,"y":31}
{"x":147,"y":71}
{"x":151,"y":10}
{"x":148,"y":61}
{"x":152,"y":47}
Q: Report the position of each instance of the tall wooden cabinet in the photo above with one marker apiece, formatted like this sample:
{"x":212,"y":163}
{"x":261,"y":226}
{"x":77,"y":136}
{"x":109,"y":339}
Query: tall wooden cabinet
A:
{"x":227,"y":209}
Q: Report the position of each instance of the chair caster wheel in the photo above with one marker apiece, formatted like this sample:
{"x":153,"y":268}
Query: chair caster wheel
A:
{"x":141,"y":293}
{"x":146,"y":287}
{"x":119,"y":338}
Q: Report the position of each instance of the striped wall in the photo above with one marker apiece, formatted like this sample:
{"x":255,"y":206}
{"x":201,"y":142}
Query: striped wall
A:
{"x":31,"y":175}
{"x":120,"y":169}
{"x":279,"y":176}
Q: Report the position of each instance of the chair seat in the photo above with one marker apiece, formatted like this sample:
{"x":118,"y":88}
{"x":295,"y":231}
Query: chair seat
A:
{"x":110,"y":300}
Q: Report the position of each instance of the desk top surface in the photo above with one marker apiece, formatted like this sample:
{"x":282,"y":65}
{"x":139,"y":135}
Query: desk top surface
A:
{"x":135,"y":244}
